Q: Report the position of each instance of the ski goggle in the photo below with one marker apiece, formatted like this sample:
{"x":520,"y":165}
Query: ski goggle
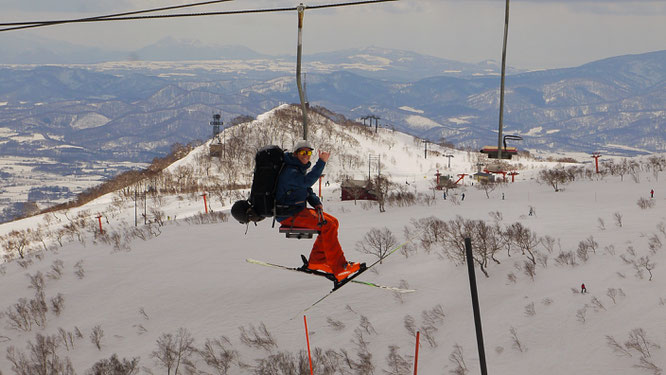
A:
{"x":304,"y":152}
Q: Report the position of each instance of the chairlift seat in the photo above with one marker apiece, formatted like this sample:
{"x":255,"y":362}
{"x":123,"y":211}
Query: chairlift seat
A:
{"x":298,"y":233}
{"x":492,"y":152}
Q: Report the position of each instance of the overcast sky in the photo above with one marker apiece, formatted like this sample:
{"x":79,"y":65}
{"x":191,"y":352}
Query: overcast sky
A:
{"x":542,"y":33}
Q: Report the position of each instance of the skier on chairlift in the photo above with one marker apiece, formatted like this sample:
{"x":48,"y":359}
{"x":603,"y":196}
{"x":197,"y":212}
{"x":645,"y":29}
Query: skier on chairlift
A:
{"x":294,"y":192}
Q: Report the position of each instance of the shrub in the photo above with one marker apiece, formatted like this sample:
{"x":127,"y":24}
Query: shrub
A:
{"x":113,"y":366}
{"x":644,"y":203}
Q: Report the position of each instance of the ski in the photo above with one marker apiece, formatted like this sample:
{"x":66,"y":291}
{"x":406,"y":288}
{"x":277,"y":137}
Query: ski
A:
{"x":351,"y":279}
{"x":353,"y":276}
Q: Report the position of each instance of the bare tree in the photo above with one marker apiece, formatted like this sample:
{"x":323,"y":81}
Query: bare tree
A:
{"x":581,"y":314}
{"x":410,"y":325}
{"x":612,"y":294}
{"x":17,"y":242}
{"x":525,"y":239}
{"x":115,"y":366}
{"x":377,"y":242}
{"x":618,"y":219}
{"x":57,"y":304}
{"x":648,"y":365}
{"x":172,"y":351}
{"x":530,"y":310}
{"x":381,"y":186}
{"x":639,"y":342}
{"x":398,"y":365}
{"x":42,"y":358}
{"x":219,"y":355}
{"x":335,"y":324}
{"x":257,"y":337}
{"x":555,"y":177}
{"x":96,"y":336}
{"x":516,"y":343}
{"x":488,"y":186}
{"x":596,"y":303}
{"x":617,"y":347}
{"x":456,"y":357}
{"x":79,"y":271}
{"x":530,"y":269}
{"x":645,"y":263}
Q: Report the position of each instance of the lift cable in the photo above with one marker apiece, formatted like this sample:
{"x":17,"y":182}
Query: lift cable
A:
{"x":32,"y":24}
{"x":178,"y":15}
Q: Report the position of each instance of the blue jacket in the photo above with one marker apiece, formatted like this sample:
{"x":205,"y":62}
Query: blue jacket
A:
{"x":294,"y":187}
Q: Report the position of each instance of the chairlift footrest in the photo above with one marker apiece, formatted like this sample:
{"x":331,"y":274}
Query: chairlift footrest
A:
{"x":298,"y":233}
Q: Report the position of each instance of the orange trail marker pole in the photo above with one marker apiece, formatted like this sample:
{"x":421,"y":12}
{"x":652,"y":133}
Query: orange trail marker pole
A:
{"x":99,"y":218}
{"x":307,"y":339}
{"x":416,"y":355}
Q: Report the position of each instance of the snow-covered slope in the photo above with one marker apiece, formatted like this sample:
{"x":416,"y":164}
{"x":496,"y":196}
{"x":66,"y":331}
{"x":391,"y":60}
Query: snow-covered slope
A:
{"x":191,"y":273}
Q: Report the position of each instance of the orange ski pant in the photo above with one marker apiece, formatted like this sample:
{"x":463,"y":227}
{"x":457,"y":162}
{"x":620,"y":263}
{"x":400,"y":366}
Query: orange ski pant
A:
{"x":326,"y":248}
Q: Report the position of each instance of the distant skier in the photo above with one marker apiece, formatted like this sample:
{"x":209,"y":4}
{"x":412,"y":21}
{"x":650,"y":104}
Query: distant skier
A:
{"x":294,"y":191}
{"x":531,"y":211}
{"x":583,"y":289}
{"x":463,"y":197}
{"x":502,"y":196}
{"x":652,"y":193}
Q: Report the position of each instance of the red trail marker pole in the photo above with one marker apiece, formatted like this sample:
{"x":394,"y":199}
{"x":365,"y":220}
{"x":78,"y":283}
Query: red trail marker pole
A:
{"x":99,"y":218}
{"x":596,"y":157}
{"x":416,"y":355}
{"x":205,"y":203}
{"x":307,"y":339}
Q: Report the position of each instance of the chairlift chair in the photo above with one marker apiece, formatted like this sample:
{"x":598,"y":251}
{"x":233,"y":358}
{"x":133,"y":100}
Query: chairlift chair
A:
{"x":299,"y":233}
{"x":507,"y":152}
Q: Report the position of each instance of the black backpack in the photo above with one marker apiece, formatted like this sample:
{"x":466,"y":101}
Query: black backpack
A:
{"x":269,"y":161}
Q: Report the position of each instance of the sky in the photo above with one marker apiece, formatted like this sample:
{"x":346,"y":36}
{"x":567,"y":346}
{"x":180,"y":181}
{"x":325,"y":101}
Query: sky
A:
{"x":542,"y":33}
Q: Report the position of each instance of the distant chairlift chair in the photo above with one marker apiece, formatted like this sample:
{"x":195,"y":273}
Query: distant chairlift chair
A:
{"x":507,"y":152}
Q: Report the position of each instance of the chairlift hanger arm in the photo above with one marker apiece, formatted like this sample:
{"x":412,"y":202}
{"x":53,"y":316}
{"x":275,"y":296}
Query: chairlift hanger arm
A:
{"x":511,"y":137}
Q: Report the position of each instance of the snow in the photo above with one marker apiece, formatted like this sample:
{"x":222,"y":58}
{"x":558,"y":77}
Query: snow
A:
{"x":89,"y":121}
{"x":195,"y":276}
{"x":35,"y":137}
{"x":7,"y":132}
{"x":624,"y":147}
{"x":421,"y":122}
{"x":534,"y":131}
{"x":373,"y":60}
{"x":460,"y":120}
{"x":410,"y":109}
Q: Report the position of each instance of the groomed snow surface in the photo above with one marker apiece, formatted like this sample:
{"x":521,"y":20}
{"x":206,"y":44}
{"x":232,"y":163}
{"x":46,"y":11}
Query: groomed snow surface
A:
{"x":195,"y":277}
